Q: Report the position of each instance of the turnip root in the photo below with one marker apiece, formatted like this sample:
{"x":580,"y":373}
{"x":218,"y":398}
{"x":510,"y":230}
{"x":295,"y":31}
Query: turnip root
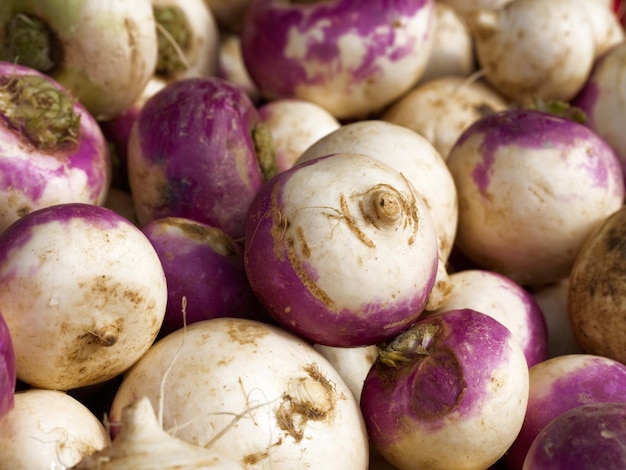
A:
{"x":308,"y":50}
{"x":341,"y":250}
{"x":449,"y":392}
{"x":560,"y":384}
{"x":505,"y":301}
{"x":7,"y":369}
{"x":442,"y":108}
{"x":51,"y":149}
{"x":531,"y":187}
{"x":143,"y":445}
{"x":419,"y":162}
{"x":597,"y":290}
{"x":295,"y":125}
{"x":83,"y":294}
{"x":103,"y":52}
{"x":508,"y":40}
{"x":49,"y":429}
{"x":251,"y":392}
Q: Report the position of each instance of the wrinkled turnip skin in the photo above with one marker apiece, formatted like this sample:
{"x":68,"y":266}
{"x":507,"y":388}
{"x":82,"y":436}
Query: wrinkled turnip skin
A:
{"x":326,"y":272}
{"x":506,"y":301}
{"x":562,"y":383}
{"x":83,"y":294}
{"x":586,"y":437}
{"x":597,"y":292}
{"x":536,"y":182}
{"x":49,"y":429}
{"x":235,"y":386}
{"x":352,"y":68}
{"x":31,"y":178}
{"x":603,"y":97}
{"x":204,"y":266}
{"x":459,"y":405}
{"x":7,"y":369}
{"x":191,"y":154}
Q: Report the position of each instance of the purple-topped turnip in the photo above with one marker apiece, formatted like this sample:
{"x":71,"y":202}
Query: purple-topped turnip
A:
{"x":204,"y":269}
{"x":83,"y":294}
{"x":103,"y":52}
{"x":51,"y":149}
{"x":531,"y":187}
{"x":351,"y":60}
{"x":7,"y":369}
{"x":587,"y":437}
{"x":560,"y":384}
{"x":341,"y":250}
{"x":449,"y":392}
{"x":199,"y":150}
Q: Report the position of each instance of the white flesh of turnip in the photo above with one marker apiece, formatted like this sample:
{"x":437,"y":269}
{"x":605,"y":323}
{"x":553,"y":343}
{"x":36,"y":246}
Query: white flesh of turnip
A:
{"x":50,"y":430}
{"x":251,"y":392}
{"x":442,"y":108}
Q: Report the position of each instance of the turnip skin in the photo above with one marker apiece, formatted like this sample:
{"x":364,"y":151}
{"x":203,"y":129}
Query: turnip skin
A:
{"x":507,"y":41}
{"x":442,"y":108}
{"x":49,"y":429}
{"x":232,"y":68}
{"x":536,"y":182}
{"x":465,"y":392}
{"x":505,"y":301}
{"x":603,"y":97}
{"x":83,"y":295}
{"x":40,"y":169}
{"x":195,"y":152}
{"x":108,"y":49}
{"x":204,"y":268}
{"x":7,"y":369}
{"x":234,"y":386}
{"x":586,"y":437}
{"x":595,"y":299}
{"x":559,"y":384}
{"x":352,"y":68}
{"x":328,"y":269}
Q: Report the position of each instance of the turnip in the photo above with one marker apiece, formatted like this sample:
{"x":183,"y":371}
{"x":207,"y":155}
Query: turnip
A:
{"x":449,"y":392}
{"x":51,"y":149}
{"x":142,"y":444}
{"x":295,"y":125}
{"x":596,"y":295}
{"x":199,"y":150}
{"x":442,"y":108}
{"x":506,"y":301}
{"x":508,"y":39}
{"x":7,"y":369}
{"x":453,"y":46}
{"x":531,"y":187}
{"x":560,"y":384}
{"x":204,"y":269}
{"x":353,"y":68}
{"x":83,"y":294}
{"x":252,"y":392}
{"x":341,"y":250}
{"x":232,"y":68}
{"x":586,"y":437}
{"x":603,"y":97}
{"x":48,"y":429}
{"x":103,"y":52}
{"x":468,"y":6}
{"x":419,"y":162}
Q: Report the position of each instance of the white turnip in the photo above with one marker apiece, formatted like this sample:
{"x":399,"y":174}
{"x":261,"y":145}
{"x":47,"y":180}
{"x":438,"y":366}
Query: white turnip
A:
{"x":352,"y":68}
{"x":83,"y":294}
{"x":103,"y":52}
{"x":341,"y":250}
{"x":252,"y":392}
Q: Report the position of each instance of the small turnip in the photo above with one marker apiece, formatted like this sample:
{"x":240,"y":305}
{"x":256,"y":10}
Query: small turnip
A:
{"x":83,"y":294}
{"x":341,"y":250}
{"x":449,"y":392}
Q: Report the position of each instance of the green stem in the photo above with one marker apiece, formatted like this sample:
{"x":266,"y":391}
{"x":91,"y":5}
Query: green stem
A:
{"x":29,"y":41}
{"x":174,"y":37}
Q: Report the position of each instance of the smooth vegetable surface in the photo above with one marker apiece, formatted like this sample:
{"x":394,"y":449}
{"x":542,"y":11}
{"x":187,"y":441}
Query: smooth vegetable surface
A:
{"x":7,"y":369}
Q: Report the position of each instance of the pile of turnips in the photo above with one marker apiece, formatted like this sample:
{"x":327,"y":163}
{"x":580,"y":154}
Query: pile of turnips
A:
{"x":269,"y":234}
